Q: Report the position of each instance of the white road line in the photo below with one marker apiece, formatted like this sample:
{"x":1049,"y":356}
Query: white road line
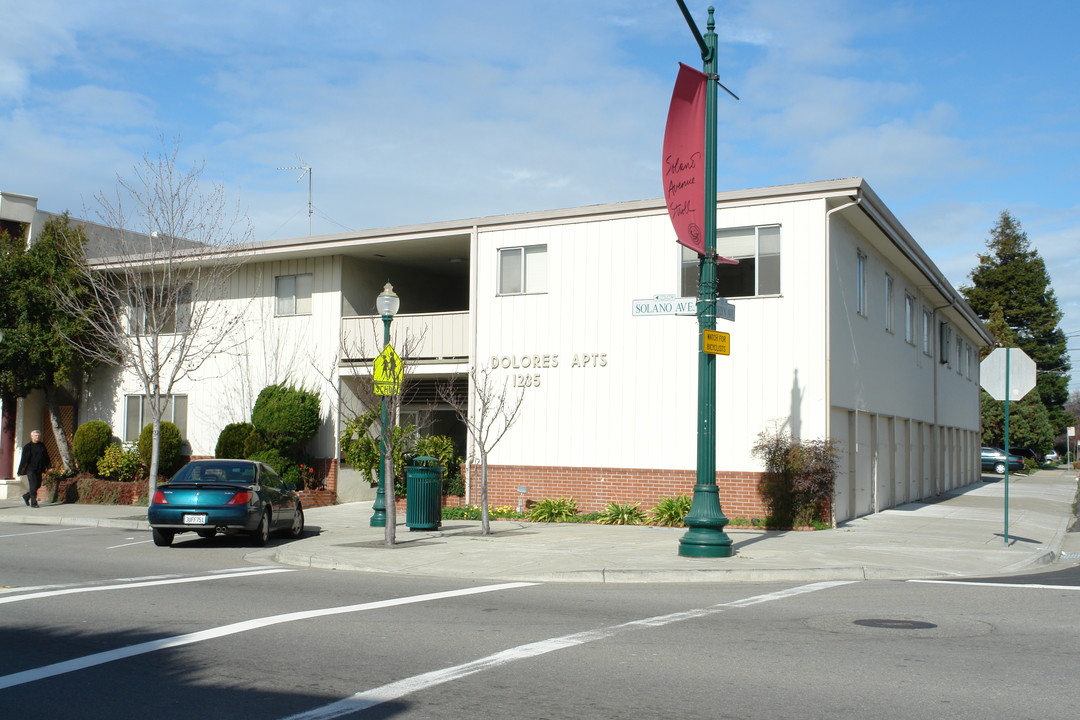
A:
{"x":28,"y":588}
{"x":40,"y":532}
{"x":126,"y":586}
{"x":1000,"y":585}
{"x":393,"y":691}
{"x":101,"y":658}
{"x":138,"y":542}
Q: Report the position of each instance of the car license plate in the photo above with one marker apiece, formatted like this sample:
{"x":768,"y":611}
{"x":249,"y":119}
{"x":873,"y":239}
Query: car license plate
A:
{"x":194,"y":519}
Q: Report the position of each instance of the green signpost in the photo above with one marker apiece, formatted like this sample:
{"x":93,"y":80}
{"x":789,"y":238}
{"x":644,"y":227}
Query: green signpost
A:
{"x":706,"y":520}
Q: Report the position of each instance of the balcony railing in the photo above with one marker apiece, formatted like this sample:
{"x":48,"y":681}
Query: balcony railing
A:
{"x":438,"y":336}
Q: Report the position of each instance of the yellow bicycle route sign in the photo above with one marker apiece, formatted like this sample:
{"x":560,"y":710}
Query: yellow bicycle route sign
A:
{"x":714,"y":342}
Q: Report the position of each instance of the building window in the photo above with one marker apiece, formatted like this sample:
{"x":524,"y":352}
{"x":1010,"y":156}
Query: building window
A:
{"x":945,"y":357}
{"x":138,"y":415}
{"x":161,"y":311}
{"x":927,"y":332}
{"x":293,"y":294}
{"x":758,"y":273}
{"x":888,"y":303}
{"x":860,"y":287}
{"x":523,"y":270}
{"x":909,"y":318}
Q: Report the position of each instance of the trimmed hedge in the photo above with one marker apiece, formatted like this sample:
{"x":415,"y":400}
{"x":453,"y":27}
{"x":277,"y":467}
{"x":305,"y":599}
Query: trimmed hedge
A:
{"x":89,"y":444}
{"x":231,"y":441}
{"x":91,"y":490}
{"x":168,"y":447}
{"x":286,"y":418}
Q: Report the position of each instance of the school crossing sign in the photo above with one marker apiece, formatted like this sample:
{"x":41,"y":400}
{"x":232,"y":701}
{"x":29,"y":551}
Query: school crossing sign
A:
{"x":388,"y":372}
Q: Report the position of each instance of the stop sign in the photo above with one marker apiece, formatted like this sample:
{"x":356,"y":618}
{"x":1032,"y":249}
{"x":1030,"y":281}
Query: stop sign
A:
{"x":1020,"y":373}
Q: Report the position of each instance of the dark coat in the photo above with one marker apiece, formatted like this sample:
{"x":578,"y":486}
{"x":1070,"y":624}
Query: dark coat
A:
{"x":35,"y":458}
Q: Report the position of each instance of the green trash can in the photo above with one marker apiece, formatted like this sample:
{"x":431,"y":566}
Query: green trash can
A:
{"x":423,"y":494}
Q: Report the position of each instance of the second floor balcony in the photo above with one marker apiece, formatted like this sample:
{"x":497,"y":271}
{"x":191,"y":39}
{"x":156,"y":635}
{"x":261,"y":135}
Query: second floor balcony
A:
{"x":431,"y":337}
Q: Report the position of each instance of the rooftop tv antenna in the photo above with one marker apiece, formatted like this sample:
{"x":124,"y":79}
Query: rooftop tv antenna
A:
{"x":305,"y":170}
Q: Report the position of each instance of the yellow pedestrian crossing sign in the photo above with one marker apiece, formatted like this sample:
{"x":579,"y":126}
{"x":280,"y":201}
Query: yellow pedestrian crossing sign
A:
{"x":388,"y":372}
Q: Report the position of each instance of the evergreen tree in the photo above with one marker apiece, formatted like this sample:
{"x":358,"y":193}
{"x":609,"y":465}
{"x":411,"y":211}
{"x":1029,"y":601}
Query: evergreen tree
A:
{"x":36,"y":353}
{"x":1012,"y":278}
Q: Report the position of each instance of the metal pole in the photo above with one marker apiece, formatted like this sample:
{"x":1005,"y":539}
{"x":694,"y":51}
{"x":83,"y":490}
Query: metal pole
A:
{"x":706,"y":536}
{"x":378,"y":516}
{"x":1007,"y":372}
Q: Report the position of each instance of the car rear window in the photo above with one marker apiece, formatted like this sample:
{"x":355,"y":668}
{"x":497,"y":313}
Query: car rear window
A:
{"x":231,"y":472}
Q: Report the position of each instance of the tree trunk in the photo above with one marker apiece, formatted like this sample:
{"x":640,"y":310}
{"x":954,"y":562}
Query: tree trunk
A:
{"x":155,"y":445}
{"x":485,"y":519}
{"x":390,"y":495}
{"x":62,"y":445}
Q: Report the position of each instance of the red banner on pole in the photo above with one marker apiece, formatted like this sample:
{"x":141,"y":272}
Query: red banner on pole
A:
{"x":684,"y":158}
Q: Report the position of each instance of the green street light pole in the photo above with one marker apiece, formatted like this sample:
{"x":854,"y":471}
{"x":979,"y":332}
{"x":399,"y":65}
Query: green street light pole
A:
{"x":387,"y":303}
{"x":706,"y":536}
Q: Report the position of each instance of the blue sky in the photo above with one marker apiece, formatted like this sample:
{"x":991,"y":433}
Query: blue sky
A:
{"x":953,"y":110}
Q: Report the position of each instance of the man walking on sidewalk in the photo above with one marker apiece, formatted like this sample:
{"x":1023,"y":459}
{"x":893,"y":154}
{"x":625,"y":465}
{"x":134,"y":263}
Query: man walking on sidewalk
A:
{"x":35,"y":460}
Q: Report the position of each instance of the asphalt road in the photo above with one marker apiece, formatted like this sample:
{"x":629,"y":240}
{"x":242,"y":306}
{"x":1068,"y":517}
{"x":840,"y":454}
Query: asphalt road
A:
{"x":99,"y":623}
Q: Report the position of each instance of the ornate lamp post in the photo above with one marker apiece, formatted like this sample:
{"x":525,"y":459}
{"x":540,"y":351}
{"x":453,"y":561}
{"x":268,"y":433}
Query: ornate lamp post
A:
{"x":706,"y":520}
{"x":387,"y":303}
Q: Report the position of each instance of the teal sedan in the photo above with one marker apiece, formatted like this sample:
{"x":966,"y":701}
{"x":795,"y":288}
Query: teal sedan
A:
{"x":231,"y":497}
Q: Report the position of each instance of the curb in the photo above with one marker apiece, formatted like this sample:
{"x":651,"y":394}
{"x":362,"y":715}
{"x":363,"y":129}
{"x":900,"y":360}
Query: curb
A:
{"x":81,"y":522}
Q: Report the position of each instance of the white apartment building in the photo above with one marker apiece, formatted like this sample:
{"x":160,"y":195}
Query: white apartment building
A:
{"x":844,"y":328}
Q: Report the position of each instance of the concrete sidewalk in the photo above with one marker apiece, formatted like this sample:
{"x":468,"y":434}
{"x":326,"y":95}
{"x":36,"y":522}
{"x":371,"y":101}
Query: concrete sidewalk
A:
{"x":958,"y":534}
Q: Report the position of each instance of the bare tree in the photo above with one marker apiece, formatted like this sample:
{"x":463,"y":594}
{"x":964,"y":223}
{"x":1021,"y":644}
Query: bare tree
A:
{"x":488,"y":420}
{"x":172,"y":251}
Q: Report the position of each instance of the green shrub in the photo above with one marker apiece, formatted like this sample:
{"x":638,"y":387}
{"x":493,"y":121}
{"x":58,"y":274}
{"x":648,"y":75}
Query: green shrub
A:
{"x":621,"y":514}
{"x":121,"y":464}
{"x":230,"y":443}
{"x":361,"y":450}
{"x":286,"y":418}
{"x":553,"y":510}
{"x":799,"y":478}
{"x":89,"y":444}
{"x":440,"y":447}
{"x":91,"y":490}
{"x":670,"y":511}
{"x":253,"y":443}
{"x":274,"y":459}
{"x":169,"y":446}
{"x":461,"y":512}
{"x":472,"y":512}
{"x":454,"y":485}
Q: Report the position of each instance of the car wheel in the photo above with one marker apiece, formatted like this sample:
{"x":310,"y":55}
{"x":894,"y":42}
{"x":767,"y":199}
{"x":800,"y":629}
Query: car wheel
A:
{"x":262,"y":533}
{"x":163,"y":538}
{"x":297,"y":528}
{"x":206,"y":533}
{"x":999,"y":468}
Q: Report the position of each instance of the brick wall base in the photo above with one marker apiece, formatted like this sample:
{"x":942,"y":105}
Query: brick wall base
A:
{"x":593,"y":488}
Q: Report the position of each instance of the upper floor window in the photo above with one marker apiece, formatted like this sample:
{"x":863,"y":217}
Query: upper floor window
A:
{"x":888,"y":303}
{"x":909,"y":318}
{"x":293,"y":294}
{"x":138,"y":414}
{"x":160,"y":310}
{"x":523,"y":270}
{"x":945,"y":356}
{"x":860,"y":280}
{"x":758,"y":273}
{"x":927,"y":332}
